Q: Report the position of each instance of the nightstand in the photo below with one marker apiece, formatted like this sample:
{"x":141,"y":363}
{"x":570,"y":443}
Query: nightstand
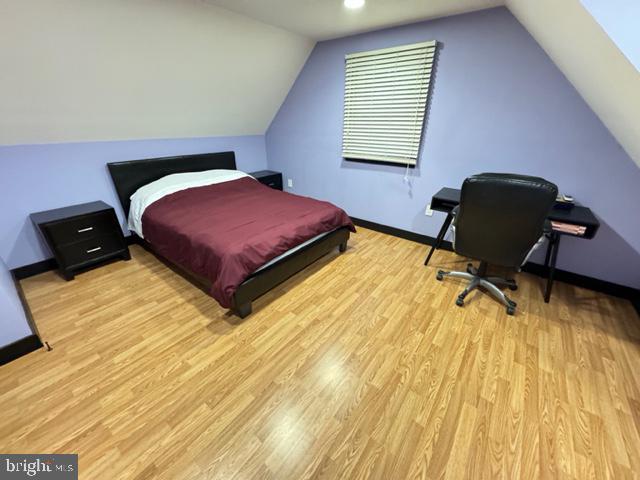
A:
{"x":82,"y":236}
{"x":269,"y":178}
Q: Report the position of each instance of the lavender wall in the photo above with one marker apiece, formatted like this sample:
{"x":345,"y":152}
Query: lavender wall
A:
{"x":498,"y":104}
{"x":41,"y":177}
{"x":13,"y":322}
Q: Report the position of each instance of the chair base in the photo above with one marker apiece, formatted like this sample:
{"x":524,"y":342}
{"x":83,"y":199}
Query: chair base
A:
{"x":477,"y":278}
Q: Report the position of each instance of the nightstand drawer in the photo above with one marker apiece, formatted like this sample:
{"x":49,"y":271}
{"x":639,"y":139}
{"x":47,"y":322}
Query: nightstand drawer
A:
{"x":273,"y":181}
{"x":92,"y":249}
{"x":269,"y":178}
{"x":81,"y":235}
{"x":81,"y":228}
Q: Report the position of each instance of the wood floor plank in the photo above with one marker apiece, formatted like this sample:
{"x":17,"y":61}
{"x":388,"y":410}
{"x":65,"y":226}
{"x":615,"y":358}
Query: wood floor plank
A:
{"x":360,"y":367}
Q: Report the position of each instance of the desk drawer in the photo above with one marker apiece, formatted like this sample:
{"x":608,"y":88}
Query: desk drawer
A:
{"x":89,"y":250}
{"x":82,"y":228}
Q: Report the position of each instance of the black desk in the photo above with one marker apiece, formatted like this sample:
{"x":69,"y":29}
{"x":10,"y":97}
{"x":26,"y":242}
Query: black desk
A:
{"x":449,"y":198}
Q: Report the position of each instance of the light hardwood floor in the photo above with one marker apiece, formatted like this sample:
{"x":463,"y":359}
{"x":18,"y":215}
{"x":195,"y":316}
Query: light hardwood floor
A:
{"x":359,"y":367}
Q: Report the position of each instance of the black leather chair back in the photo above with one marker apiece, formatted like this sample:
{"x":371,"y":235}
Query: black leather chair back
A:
{"x":501,"y":216}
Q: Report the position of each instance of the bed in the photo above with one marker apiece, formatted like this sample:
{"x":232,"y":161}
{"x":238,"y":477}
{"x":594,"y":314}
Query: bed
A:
{"x":231,"y":219}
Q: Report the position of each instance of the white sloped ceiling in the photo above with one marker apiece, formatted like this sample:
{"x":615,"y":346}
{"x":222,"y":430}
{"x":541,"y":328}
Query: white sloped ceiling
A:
{"x":72,"y":69}
{"x":591,"y":61}
{"x":573,"y":39}
{"x":82,"y":70}
{"x":327,"y":19}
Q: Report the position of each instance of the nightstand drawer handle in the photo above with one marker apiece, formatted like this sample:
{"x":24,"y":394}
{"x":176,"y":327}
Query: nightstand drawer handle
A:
{"x":272,"y":184}
{"x":88,"y":229}
{"x":94,"y":250}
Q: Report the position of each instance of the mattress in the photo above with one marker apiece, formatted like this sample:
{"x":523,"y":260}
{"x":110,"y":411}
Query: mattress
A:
{"x":153,"y":192}
{"x":225,"y":226}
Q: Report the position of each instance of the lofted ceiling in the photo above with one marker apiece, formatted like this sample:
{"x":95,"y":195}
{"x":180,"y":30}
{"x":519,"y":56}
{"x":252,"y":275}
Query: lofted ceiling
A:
{"x":98,"y":89}
{"x":91,"y":70}
{"x":573,"y":39}
{"x":326,"y":19}
{"x":565,"y":29}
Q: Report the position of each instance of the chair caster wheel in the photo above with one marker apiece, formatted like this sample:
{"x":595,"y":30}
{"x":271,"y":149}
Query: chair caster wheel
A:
{"x":513,"y":288}
{"x":511,"y":310}
{"x":459,"y":302}
{"x":440,"y":275}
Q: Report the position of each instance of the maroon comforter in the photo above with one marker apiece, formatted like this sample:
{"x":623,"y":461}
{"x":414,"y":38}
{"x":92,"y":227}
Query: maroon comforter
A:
{"x":225,"y":232}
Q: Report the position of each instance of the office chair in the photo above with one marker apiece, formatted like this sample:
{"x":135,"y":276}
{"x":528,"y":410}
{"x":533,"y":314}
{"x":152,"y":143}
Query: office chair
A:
{"x":499,"y":220}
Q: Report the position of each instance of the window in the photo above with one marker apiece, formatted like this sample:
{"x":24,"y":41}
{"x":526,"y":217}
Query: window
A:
{"x":386,"y":94}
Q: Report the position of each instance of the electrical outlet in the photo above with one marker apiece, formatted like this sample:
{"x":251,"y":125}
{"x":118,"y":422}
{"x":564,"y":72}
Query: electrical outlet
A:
{"x":427,"y":211}
{"x":290,"y":183}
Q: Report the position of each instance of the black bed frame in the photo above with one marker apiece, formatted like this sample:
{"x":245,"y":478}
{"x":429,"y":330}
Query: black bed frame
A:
{"x":131,"y":175}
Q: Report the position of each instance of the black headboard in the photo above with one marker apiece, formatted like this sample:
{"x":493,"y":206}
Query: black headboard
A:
{"x":130,"y":176}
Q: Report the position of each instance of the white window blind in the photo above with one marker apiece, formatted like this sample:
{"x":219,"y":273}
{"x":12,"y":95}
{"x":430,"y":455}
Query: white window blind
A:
{"x":386,"y":93}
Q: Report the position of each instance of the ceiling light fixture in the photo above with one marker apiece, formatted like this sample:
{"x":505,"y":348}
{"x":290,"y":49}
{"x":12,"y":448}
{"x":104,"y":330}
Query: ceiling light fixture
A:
{"x":353,"y":4}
